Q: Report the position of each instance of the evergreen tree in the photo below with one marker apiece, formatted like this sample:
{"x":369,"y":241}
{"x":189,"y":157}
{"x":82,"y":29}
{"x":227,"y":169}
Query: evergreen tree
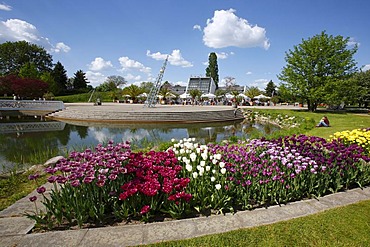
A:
{"x":79,"y":80}
{"x":60,"y":78}
{"x":270,"y":89}
{"x":212,"y":69}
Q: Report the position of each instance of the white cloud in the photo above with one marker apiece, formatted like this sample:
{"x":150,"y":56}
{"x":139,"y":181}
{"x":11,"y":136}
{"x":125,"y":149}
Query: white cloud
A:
{"x":353,"y":42}
{"x":130,"y":77}
{"x":223,"y":55}
{"x":61,"y":47}
{"x":249,"y":73}
{"x":260,"y":83}
{"x":197,"y":27}
{"x":175,"y":58}
{"x":100,"y":64}
{"x":15,"y":29}
{"x":366,"y":67}
{"x":5,"y":7}
{"x":19,"y":30}
{"x":226,"y":29}
{"x":95,"y":78}
{"x":128,"y":64}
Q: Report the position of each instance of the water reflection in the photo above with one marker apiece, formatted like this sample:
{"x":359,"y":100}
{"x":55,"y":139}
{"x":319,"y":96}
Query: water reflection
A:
{"x":23,"y":145}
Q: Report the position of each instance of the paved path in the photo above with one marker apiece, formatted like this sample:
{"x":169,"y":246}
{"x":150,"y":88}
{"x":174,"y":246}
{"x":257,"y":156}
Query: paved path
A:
{"x":139,"y":113}
{"x":14,"y":227}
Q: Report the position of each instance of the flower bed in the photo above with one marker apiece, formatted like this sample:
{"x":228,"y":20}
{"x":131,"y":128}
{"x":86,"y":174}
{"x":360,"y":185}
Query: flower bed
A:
{"x":113,"y":184}
{"x":360,"y":137}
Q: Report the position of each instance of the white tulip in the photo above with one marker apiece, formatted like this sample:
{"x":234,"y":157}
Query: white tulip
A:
{"x":189,"y":168}
{"x":223,"y":170}
{"x":213,"y":179}
{"x":195,"y":174}
{"x":218,"y":186}
{"x":222,"y":164}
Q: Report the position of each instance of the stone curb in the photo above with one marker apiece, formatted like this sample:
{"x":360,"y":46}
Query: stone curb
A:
{"x":13,"y":230}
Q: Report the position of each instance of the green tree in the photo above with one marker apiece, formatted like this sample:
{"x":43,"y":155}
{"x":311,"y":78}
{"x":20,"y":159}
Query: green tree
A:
{"x":79,"y":80}
{"x":315,"y":65}
{"x":14,"y":55}
{"x":270,"y":89}
{"x":195,"y":93}
{"x":49,"y":79}
{"x":60,"y":78}
{"x":252,"y":92}
{"x":29,"y":70}
{"x":362,"y":92}
{"x":165,"y":91}
{"x":146,"y":86}
{"x":112,"y":83}
{"x":212,"y":69}
{"x":134,"y":91}
{"x":220,"y":93}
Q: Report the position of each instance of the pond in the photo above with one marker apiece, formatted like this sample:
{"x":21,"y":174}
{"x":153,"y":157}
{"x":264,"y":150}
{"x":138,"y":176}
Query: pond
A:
{"x":24,"y":139}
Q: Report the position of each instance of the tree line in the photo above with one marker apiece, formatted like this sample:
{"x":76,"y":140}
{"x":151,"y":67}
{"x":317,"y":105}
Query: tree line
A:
{"x":27,"y":70}
{"x":319,"y":70}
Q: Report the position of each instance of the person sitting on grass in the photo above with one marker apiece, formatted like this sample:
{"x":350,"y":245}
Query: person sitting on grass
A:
{"x":324,"y":122}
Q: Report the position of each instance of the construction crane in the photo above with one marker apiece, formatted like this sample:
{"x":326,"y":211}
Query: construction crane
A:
{"x":152,"y":97}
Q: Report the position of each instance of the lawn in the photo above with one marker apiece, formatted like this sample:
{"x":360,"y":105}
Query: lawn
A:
{"x":343,"y":226}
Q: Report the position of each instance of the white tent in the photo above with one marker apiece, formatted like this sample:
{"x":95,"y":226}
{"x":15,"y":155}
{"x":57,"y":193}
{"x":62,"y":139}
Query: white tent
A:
{"x":229,"y":96}
{"x":185,"y":96}
{"x":208,"y":95}
{"x":143,"y":95}
{"x":261,"y":96}
{"x":244,"y":96}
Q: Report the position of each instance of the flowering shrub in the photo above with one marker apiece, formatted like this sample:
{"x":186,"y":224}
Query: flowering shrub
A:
{"x":360,"y":137}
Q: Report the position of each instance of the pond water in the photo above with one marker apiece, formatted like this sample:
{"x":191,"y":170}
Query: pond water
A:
{"x":24,"y":138}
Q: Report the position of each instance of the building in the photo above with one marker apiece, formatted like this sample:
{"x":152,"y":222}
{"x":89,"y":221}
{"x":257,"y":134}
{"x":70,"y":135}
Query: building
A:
{"x":240,"y":89}
{"x":202,"y":83}
{"x":177,"y":89}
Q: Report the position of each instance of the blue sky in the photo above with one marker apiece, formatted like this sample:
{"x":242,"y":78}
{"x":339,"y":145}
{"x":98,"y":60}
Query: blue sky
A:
{"x":131,"y":38}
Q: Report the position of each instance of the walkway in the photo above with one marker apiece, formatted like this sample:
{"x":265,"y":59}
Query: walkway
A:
{"x":138,"y":113}
{"x":14,"y":227}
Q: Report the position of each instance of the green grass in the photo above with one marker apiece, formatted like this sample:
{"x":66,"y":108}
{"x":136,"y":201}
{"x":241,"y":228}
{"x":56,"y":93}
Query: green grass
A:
{"x":15,"y":187}
{"x":344,"y":226}
{"x":84,"y":97}
{"x":338,"y":121}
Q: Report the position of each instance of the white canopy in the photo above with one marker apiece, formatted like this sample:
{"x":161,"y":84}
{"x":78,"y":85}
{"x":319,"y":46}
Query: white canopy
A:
{"x":244,"y":96}
{"x":185,"y":96}
{"x":261,"y":96}
{"x":229,"y":96}
{"x":208,"y":95}
{"x":143,"y":95}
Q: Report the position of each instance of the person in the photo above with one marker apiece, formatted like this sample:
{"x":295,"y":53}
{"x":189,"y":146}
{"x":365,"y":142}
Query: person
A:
{"x":324,"y":122}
